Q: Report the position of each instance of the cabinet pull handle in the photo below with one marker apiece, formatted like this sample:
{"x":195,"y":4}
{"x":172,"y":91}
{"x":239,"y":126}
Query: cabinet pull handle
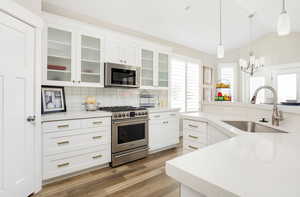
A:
{"x":165,"y":122}
{"x":97,"y":156}
{"x":193,"y":126}
{"x":194,"y":137}
{"x":193,"y":147}
{"x":63,"y":142}
{"x":157,"y":116}
{"x":62,"y":126}
{"x":97,"y":137}
{"x":63,"y":165}
{"x":172,"y":114}
{"x":99,"y":122}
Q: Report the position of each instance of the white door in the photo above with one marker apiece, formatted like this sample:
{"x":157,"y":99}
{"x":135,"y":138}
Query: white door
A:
{"x":16,"y":104}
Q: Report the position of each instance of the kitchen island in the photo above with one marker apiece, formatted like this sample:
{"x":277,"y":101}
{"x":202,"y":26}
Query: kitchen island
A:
{"x":247,"y":164}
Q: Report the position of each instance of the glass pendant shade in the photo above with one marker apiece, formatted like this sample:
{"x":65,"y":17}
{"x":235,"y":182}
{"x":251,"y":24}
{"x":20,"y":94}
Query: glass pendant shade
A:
{"x":220,"y":51}
{"x":283,"y":25}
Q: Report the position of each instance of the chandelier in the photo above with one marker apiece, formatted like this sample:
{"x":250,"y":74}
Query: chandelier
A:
{"x":254,"y":63}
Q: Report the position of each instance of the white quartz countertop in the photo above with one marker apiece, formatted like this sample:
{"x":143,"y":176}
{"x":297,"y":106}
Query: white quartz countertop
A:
{"x":247,"y":165}
{"x":160,"y":110}
{"x":74,"y":115}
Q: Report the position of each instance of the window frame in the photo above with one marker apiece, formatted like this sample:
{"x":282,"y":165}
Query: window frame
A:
{"x":186,"y":61}
{"x":234,"y":84}
{"x":286,"y":71}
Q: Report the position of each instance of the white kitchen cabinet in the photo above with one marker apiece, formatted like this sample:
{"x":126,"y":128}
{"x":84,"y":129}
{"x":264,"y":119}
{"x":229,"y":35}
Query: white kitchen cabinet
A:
{"x":216,"y":135}
{"x":163,"y":130}
{"x":147,"y":62}
{"x":155,"y":69}
{"x":194,"y":134}
{"x":74,"y":145}
{"x":121,"y":52}
{"x":74,"y":57}
{"x":198,"y":134}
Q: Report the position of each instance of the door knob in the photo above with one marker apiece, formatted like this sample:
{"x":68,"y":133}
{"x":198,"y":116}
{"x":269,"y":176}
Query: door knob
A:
{"x":31,"y":118}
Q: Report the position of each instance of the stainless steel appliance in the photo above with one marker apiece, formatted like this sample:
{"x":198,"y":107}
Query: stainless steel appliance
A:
{"x":118,"y":75}
{"x":129,"y":134}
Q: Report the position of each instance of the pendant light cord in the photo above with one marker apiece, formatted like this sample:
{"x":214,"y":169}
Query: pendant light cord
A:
{"x":284,"y":6}
{"x":251,"y":32}
{"x":221,"y":42}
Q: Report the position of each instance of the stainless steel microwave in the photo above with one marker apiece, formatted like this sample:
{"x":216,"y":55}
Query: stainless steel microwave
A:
{"x":118,"y":75}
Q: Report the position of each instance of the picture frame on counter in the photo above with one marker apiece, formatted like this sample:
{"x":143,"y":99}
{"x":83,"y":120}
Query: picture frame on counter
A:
{"x":53,"y":99}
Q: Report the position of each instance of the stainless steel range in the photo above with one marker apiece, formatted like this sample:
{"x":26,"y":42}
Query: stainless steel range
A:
{"x":129,"y":134}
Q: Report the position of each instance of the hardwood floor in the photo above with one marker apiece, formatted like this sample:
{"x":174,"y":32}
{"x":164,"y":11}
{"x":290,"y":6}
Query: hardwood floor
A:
{"x":143,"y":178}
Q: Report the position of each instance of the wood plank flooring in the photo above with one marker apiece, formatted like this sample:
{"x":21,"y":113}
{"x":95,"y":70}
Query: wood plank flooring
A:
{"x":143,"y":178}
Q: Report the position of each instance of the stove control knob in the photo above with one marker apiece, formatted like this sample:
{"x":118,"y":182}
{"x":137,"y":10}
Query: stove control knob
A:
{"x":123,"y":115}
{"x":119,"y":115}
{"x":116,"y":115}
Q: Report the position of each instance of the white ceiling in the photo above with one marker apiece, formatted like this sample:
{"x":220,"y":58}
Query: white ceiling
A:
{"x":196,"y":28}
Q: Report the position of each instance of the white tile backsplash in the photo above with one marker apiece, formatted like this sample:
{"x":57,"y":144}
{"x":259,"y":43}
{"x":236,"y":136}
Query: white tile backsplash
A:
{"x":75,"y":96}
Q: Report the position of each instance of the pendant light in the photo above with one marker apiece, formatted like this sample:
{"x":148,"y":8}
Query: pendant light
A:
{"x":220,"y":48}
{"x":283,"y":25}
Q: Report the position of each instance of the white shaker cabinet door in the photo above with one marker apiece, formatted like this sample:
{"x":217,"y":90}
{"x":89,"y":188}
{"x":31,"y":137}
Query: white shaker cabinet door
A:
{"x":215,"y":135}
{"x":16,"y":105}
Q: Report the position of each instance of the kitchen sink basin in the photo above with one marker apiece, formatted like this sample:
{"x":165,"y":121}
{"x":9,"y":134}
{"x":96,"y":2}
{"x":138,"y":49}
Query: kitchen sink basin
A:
{"x":253,"y":127}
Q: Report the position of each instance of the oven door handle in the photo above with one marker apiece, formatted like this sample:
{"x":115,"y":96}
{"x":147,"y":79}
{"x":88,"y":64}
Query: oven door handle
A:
{"x":118,"y":156}
{"x":130,"y":121}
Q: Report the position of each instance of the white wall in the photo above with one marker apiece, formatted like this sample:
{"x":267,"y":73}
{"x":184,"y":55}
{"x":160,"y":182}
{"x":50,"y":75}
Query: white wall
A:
{"x":177,"y":48}
{"x":33,"y":5}
{"x":275,"y":49}
{"x":75,"y":96}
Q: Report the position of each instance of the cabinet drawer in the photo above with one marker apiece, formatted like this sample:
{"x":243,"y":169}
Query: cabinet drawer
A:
{"x":195,"y":136}
{"x":74,"y":140}
{"x":195,"y":125}
{"x":62,"y":164}
{"x":192,"y":146}
{"x":155,"y":116}
{"x":61,"y":125}
{"x":94,"y":122}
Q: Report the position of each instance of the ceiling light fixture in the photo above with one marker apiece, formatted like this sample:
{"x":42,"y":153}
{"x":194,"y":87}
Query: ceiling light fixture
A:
{"x":220,"y":48}
{"x":253,"y":64}
{"x":283,"y":25}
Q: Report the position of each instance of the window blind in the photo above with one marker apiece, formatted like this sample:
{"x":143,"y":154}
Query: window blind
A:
{"x":178,"y":84}
{"x":185,"y":84}
{"x":192,"y":87}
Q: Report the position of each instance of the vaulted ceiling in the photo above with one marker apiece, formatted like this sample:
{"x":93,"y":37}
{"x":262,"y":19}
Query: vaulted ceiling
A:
{"x":196,"y":27}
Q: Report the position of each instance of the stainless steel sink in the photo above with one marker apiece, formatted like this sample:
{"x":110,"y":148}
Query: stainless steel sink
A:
{"x":253,"y":127}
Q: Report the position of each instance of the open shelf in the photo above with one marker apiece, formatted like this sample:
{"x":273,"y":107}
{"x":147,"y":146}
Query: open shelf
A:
{"x":59,"y":71}
{"x":58,"y":56}
{"x":92,"y":74}
{"x":90,"y":48}
{"x":90,"y":61}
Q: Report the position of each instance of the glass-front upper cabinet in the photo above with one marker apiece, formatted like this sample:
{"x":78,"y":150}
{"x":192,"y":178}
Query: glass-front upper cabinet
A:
{"x":147,"y":58}
{"x":59,"y":57}
{"x":90,"y":60}
{"x":163,"y":70}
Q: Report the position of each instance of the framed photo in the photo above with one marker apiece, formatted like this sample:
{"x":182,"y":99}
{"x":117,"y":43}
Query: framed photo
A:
{"x":53,"y":99}
{"x":207,"y":75}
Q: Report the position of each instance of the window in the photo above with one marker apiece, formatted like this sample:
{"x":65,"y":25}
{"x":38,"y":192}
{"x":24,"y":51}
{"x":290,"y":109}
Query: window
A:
{"x":185,"y":85}
{"x":178,"y":84}
{"x":287,"y":87}
{"x":256,"y":82}
{"x":192,"y":88}
{"x":226,"y":74}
